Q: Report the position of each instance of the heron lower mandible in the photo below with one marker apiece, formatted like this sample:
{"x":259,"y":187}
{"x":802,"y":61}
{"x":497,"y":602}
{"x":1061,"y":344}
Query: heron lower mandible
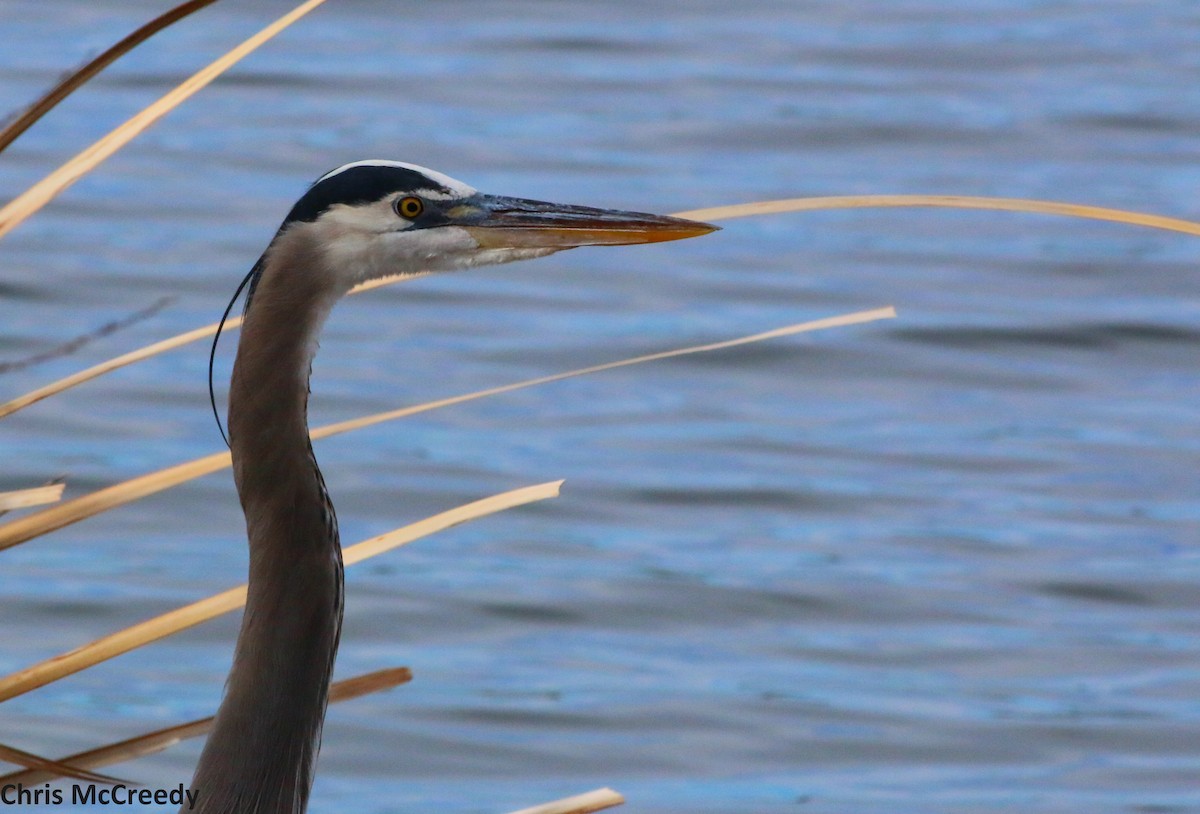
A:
{"x":363,"y":221}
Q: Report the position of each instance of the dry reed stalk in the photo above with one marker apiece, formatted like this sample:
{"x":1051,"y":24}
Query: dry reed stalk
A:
{"x":33,"y":525}
{"x":151,"y":630}
{"x":597,"y":800}
{"x":44,"y":191}
{"x":34,"y":396}
{"x":153,"y":742}
{"x":716,"y":213}
{"x":26,"y":528}
{"x":25,"y":498}
{"x":116,"y":363}
{"x":1186,"y":227}
{"x":78,"y":78}
{"x":52,"y":768}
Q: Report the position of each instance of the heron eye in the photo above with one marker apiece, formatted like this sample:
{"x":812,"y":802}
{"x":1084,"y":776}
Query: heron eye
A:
{"x":410,"y":207}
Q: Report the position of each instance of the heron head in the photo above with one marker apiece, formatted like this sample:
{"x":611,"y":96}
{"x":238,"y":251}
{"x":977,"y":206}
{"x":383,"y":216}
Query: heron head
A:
{"x":380,"y":218}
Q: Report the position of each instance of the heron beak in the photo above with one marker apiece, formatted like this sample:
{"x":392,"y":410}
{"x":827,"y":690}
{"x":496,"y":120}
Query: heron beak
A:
{"x":516,"y":223}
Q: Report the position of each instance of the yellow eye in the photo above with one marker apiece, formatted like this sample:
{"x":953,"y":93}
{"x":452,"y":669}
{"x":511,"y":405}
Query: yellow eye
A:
{"x":410,"y":207}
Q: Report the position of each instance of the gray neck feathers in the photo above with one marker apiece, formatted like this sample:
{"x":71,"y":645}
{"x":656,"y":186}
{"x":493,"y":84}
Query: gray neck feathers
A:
{"x":261,"y":753}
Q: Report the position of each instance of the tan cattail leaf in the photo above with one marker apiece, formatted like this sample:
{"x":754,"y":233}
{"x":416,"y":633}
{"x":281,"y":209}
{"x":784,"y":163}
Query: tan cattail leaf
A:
{"x":76,"y":79}
{"x":1187,"y":227}
{"x":788,"y":330}
{"x":71,"y":511}
{"x":367,"y":683}
{"x":187,"y":616}
{"x":44,"y":191}
{"x":54,"y":767}
{"x":25,"y":498}
{"x":34,"y":396}
{"x":26,"y":528}
{"x":154,"y":349}
{"x":597,"y":800}
{"x":156,"y":741}
{"x":715,"y":213}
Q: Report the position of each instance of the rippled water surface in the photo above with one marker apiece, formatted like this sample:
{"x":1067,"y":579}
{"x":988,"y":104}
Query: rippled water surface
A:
{"x":946,"y":563}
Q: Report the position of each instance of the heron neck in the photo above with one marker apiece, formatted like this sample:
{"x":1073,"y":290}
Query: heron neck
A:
{"x":261,"y":753}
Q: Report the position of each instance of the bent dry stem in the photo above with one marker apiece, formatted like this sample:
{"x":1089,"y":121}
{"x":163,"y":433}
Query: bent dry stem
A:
{"x":72,"y":511}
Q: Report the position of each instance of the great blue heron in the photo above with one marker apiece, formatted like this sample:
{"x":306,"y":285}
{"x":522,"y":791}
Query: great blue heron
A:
{"x":362,"y":221}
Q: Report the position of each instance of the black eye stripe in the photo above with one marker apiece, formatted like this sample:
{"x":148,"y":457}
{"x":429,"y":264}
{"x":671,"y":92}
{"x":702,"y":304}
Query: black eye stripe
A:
{"x":359,"y":185}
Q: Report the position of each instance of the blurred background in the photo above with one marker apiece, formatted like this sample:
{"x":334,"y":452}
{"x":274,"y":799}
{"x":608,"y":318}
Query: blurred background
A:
{"x":946,"y":563}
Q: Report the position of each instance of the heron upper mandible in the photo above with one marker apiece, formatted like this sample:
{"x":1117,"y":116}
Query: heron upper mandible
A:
{"x":362,"y":221}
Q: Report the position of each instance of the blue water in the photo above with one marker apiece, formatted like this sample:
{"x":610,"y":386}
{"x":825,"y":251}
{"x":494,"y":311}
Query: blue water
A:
{"x":947,"y":563}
